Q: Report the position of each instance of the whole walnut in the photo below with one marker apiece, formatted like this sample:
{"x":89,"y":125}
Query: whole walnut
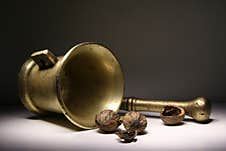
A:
{"x":126,"y":136}
{"x":135,"y":121}
{"x":107,"y":121}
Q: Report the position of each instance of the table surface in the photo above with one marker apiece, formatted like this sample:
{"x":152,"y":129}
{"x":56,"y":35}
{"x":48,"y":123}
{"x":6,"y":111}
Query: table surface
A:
{"x":22,"y":130}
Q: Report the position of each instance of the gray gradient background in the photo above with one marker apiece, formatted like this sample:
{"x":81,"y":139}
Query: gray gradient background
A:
{"x":168,"y":49}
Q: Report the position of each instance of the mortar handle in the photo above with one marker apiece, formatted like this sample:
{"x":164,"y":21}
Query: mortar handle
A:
{"x":44,"y":59}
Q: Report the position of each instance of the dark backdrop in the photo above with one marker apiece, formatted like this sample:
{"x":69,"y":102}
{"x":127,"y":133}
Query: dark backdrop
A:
{"x":168,"y":49}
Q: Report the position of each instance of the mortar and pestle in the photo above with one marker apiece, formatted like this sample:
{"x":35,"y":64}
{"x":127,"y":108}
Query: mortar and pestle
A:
{"x":85,"y":81}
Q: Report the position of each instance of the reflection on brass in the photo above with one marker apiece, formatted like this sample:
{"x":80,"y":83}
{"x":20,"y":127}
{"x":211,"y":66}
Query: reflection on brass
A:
{"x":199,"y":109}
{"x":80,"y":84}
{"x":172,"y":115}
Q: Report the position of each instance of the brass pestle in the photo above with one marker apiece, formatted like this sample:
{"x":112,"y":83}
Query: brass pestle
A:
{"x":199,"y":109}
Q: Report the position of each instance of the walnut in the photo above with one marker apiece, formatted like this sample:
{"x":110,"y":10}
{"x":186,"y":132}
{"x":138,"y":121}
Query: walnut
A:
{"x":172,"y":115}
{"x":127,"y":136}
{"x":107,"y":121}
{"x":135,"y":121}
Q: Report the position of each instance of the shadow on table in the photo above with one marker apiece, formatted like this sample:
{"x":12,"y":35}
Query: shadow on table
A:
{"x":61,"y":120}
{"x":56,"y":119}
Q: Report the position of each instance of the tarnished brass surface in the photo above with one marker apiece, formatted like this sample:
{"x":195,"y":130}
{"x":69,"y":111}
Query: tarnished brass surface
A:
{"x":80,"y":84}
{"x":199,"y":109}
{"x":83,"y":82}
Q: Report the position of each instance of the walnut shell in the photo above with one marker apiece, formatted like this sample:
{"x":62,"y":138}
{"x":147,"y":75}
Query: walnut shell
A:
{"x":126,"y":136}
{"x":107,"y":121}
{"x":135,"y":121}
{"x":172,"y":115}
